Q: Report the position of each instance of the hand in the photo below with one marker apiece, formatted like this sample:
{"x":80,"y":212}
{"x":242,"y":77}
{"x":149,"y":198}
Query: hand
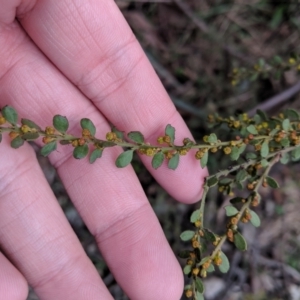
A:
{"x":80,"y":59}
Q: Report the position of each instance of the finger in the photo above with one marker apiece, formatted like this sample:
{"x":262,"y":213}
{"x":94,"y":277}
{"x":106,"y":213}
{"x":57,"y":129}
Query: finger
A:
{"x":13,"y":285}
{"x":102,"y":57}
{"x":111,"y":201}
{"x":37,"y":237}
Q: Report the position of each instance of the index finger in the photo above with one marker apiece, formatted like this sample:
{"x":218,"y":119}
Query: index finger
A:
{"x":94,"y":47}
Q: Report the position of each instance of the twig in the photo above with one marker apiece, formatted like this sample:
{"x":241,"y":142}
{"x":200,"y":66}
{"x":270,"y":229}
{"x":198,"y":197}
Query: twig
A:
{"x":276,"y":100}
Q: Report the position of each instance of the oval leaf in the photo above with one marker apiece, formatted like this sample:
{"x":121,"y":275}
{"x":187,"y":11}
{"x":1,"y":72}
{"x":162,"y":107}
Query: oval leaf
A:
{"x":212,"y":181}
{"x":97,"y":153}
{"x":136,"y":136}
{"x":286,"y":124}
{"x":195,"y":216}
{"x":296,"y":154}
{"x":174,"y":161}
{"x":10,"y":114}
{"x":80,"y":152}
{"x":212,"y":138}
{"x":272,"y":182}
{"x":30,"y":124}
{"x":60,"y":123}
{"x":225,"y":265}
{"x":264,"y":151}
{"x":170,"y":131}
{"x":241,"y":175}
{"x":187,"y":235}
{"x":230,"y":210}
{"x":30,"y":136}
{"x":89,"y":125}
{"x":199,"y":285}
{"x":17,"y":142}
{"x":48,"y":148}
{"x":240,"y":241}
{"x":187,"y":269}
{"x":251,"y":129}
{"x":157,"y":160}
{"x":124,"y":159}
{"x":235,"y":153}
{"x":204,"y":160}
{"x":255,"y":220}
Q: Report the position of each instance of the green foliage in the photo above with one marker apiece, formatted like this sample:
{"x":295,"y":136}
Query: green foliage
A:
{"x":89,"y":125}
{"x":259,"y":143}
{"x":10,"y":114}
{"x":124,"y":159}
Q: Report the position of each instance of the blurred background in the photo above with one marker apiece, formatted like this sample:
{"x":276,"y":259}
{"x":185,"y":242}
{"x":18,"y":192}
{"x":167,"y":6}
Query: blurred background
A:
{"x":196,"y":48}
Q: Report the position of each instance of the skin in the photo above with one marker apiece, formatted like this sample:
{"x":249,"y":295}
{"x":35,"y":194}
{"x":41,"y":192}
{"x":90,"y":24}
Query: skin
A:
{"x":80,"y":59}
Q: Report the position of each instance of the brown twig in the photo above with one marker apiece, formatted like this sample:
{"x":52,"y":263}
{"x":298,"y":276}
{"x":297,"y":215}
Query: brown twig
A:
{"x":276,"y":100}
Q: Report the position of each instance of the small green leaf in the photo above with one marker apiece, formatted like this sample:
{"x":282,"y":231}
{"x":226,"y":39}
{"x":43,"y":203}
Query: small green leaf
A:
{"x":235,"y":153}
{"x":230,"y":210}
{"x":204,"y":160}
{"x":255,"y":220}
{"x":187,"y":269}
{"x":184,"y":254}
{"x":251,"y":129}
{"x":80,"y":152}
{"x":199,"y":296}
{"x":48,"y":148}
{"x":285,"y":158}
{"x":272,"y":182}
{"x":211,"y":268}
{"x":224,"y":267}
{"x":195,"y":216}
{"x":0,"y":138}
{"x":264,"y":163}
{"x":296,"y":154}
{"x":187,"y":235}
{"x":17,"y":142}
{"x":60,"y":123}
{"x":170,"y":131}
{"x":157,"y":160}
{"x":241,"y":175}
{"x":286,"y":125}
{"x":251,"y":155}
{"x":212,"y":181}
{"x":89,"y":125}
{"x":285,"y":142}
{"x":119,"y":134}
{"x":30,"y":124}
{"x":262,"y":114}
{"x":136,"y":136}
{"x":10,"y":114}
{"x":225,"y":181}
{"x":97,"y":153}
{"x":292,"y":114}
{"x":199,"y":285}
{"x":30,"y":136}
{"x":174,"y":161}
{"x":239,"y":241}
{"x":209,"y":235}
{"x":124,"y":159}
{"x":257,"y":119}
{"x":212,"y":138}
{"x":264,"y":151}
{"x":242,"y":148}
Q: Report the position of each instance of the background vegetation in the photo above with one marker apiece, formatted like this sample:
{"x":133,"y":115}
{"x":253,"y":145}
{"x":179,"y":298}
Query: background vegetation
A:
{"x":194,"y":46}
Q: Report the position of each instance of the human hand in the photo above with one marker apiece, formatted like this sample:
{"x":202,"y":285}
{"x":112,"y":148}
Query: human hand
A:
{"x":80,"y":59}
